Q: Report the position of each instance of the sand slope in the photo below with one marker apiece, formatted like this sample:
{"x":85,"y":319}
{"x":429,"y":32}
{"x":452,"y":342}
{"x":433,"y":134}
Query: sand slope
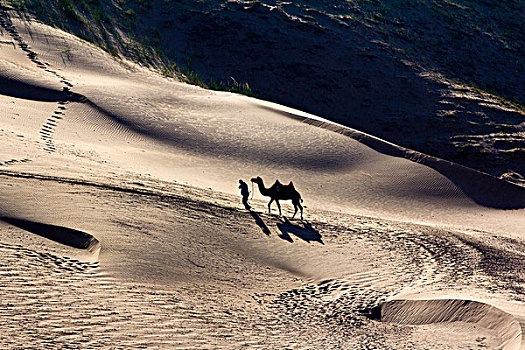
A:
{"x":414,"y":73}
{"x":149,"y":167}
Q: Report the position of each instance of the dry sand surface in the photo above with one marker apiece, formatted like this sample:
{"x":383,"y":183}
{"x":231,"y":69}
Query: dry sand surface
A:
{"x":122,"y":226}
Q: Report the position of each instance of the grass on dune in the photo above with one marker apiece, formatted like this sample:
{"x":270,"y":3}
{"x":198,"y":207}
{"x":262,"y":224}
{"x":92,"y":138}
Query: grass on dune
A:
{"x":89,"y":20}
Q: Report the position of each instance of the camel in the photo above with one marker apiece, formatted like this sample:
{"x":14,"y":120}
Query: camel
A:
{"x":279,"y":191}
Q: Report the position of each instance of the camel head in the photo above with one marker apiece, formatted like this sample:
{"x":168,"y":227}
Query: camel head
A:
{"x":256,"y":179}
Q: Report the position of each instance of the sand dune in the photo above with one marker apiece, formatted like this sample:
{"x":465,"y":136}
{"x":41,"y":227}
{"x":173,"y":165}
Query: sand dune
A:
{"x":506,"y":327}
{"x":142,"y":171}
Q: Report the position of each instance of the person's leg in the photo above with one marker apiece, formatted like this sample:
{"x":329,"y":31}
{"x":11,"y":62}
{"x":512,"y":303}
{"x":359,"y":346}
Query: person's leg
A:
{"x":245,"y":202}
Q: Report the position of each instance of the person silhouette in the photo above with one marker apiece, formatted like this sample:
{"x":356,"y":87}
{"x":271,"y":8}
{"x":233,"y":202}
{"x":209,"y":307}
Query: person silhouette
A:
{"x":245,"y":193}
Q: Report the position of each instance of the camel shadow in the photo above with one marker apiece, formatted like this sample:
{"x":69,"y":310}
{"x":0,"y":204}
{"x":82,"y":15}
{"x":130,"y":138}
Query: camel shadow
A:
{"x":305,"y":231}
{"x":260,"y":223}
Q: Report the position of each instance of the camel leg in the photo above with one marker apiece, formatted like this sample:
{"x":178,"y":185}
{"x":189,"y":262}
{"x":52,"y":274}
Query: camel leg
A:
{"x":297,"y":205}
{"x":269,"y":208}
{"x":279,"y":206}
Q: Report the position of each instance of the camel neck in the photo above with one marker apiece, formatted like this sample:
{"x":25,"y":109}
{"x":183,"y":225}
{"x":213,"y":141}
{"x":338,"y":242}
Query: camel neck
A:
{"x":262,"y":189}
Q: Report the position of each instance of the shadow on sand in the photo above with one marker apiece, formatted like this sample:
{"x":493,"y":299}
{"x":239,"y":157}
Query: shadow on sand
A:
{"x":305,"y":231}
{"x":260,"y":223}
{"x":60,"y":234}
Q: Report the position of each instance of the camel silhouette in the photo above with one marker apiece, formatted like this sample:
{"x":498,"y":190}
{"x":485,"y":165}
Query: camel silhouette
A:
{"x":277,"y":192}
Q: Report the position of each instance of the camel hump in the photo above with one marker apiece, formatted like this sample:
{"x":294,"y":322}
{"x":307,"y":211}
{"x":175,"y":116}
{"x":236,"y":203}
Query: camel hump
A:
{"x":278,"y":184}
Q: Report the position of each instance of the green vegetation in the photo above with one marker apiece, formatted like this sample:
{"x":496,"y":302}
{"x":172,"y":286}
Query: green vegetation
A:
{"x":430,"y":33}
{"x":18,"y":5}
{"x":96,"y":21}
{"x":233,"y":86}
{"x":69,"y":9}
{"x":508,"y":102}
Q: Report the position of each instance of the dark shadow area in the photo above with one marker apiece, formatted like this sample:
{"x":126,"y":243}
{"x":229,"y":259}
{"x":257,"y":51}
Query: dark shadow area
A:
{"x":484,"y":189}
{"x":305,"y":231}
{"x":373,"y":313}
{"x":27,"y":91}
{"x":67,"y":236}
{"x":285,"y":235}
{"x":260,"y":223}
{"x":18,"y":89}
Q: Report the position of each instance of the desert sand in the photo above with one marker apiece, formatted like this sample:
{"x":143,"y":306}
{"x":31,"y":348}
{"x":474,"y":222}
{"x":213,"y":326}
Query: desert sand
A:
{"x":122,"y":226}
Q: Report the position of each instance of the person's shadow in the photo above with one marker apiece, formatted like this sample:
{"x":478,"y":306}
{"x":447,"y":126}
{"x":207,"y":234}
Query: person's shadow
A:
{"x":260,"y":223}
{"x":305,"y":232}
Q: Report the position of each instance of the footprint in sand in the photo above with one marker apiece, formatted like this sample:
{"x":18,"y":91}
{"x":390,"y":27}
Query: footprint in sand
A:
{"x":47,"y":129}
